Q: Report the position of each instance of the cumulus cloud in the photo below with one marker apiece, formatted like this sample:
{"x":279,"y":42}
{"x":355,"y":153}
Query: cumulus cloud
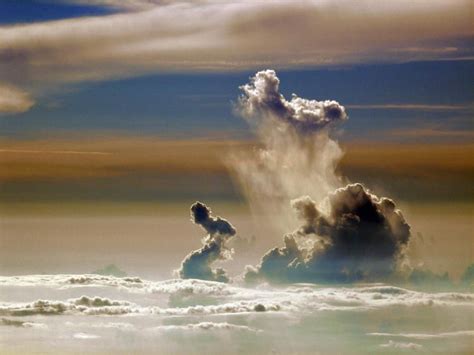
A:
{"x":84,"y":305}
{"x":262,"y":99}
{"x":129,"y":284}
{"x":296,"y":156}
{"x":201,"y":215}
{"x":198,"y":264}
{"x":350,"y":234}
{"x":14,"y":100}
{"x":361,"y":237}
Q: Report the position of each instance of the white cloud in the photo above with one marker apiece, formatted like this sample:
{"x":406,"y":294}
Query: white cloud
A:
{"x":421,"y":336}
{"x":401,"y":346}
{"x":219,"y":35}
{"x":85,"y":336}
{"x":412,"y":107}
{"x":14,"y":100}
{"x":229,"y":299}
{"x":203,"y":326}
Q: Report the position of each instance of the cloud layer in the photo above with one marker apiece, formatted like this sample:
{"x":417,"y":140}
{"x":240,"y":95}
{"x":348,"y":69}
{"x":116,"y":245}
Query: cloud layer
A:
{"x":97,"y":313}
{"x":151,"y":36}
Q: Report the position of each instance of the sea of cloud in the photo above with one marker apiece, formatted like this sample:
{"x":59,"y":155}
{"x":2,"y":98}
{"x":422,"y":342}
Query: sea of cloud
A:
{"x":111,"y":314}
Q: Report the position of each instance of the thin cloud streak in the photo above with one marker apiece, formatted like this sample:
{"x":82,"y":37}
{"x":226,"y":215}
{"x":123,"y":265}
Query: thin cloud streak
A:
{"x":412,"y":107}
{"x":52,"y":152}
{"x":121,"y":155}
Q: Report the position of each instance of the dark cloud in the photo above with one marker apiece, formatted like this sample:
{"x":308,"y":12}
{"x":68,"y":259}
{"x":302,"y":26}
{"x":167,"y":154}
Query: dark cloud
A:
{"x":361,"y":236}
{"x":201,"y":215}
{"x":261,"y":98}
{"x":198,"y":264}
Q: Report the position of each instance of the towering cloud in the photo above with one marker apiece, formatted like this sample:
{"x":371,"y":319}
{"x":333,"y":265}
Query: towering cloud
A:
{"x":350,"y":234}
{"x":361,"y":237}
{"x":198,"y":264}
{"x":297,"y":155}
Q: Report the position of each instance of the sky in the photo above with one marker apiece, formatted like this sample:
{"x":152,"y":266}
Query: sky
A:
{"x":113,"y":100}
{"x":319,"y":150}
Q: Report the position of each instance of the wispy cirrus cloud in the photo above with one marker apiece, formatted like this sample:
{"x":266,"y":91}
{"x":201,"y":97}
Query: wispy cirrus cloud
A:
{"x":152,"y":36}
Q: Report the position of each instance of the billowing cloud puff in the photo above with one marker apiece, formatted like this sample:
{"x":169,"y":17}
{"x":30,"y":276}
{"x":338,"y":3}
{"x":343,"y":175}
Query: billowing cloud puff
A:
{"x":197,"y":265}
{"x":201,"y":215}
{"x":262,"y":99}
{"x":360,"y":237}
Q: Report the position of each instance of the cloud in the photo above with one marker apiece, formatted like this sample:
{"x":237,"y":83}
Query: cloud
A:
{"x":421,"y":336}
{"x":106,"y":325}
{"x":361,"y":237}
{"x":22,"y":324}
{"x":84,"y":305}
{"x":201,"y":215}
{"x":296,"y":155}
{"x":197,"y":265}
{"x":130,"y":284}
{"x":401,"y":346}
{"x":297,"y":300}
{"x":85,"y":336}
{"x":14,"y":100}
{"x":203,"y":326}
{"x":262,"y":99}
{"x":412,"y":107}
{"x":216,"y":35}
{"x":126,"y":5}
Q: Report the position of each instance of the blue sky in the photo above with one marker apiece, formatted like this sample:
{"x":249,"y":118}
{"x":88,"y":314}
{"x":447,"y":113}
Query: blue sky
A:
{"x":24,"y":11}
{"x":199,"y":104}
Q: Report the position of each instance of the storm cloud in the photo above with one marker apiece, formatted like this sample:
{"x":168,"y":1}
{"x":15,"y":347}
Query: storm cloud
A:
{"x":360,"y":237}
{"x":198,"y":264}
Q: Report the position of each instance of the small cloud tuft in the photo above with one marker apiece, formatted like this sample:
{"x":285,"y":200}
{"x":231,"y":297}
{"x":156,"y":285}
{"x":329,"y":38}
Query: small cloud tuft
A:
{"x":14,"y":100}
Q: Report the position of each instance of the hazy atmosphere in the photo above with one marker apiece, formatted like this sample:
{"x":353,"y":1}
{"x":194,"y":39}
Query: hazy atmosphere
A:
{"x":289,"y":177}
